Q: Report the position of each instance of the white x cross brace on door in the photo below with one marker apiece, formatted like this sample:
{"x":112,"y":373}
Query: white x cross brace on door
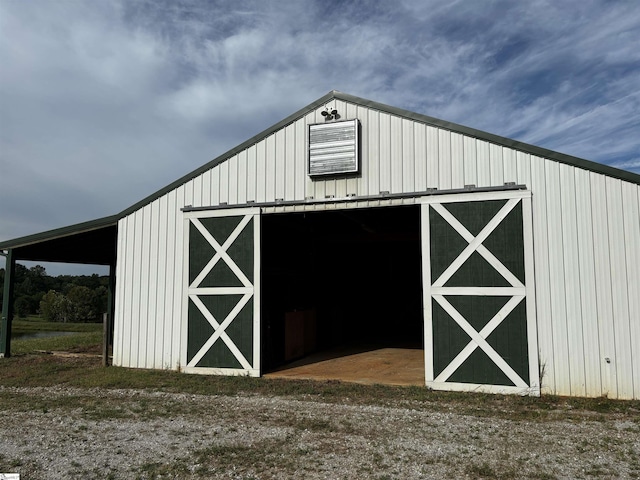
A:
{"x":455,"y":340}
{"x":222,"y":290}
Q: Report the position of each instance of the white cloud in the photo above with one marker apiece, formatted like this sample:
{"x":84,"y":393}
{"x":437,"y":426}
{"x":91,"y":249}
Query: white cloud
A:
{"x":102,"y":103}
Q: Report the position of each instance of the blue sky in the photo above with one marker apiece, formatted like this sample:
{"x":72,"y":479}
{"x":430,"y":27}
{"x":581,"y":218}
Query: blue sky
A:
{"x":103,"y":103}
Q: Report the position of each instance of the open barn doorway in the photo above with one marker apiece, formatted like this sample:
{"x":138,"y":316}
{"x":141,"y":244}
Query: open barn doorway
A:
{"x":342,"y":296}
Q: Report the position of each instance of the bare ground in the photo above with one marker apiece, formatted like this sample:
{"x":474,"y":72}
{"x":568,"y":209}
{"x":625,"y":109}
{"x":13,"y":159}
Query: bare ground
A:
{"x":65,"y":432}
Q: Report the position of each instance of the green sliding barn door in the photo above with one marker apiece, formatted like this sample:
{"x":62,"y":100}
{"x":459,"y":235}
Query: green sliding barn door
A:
{"x":480,"y":327}
{"x":222,"y":311}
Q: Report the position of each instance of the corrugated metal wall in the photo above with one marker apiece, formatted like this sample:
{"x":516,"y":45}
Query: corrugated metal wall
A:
{"x":586,"y":238}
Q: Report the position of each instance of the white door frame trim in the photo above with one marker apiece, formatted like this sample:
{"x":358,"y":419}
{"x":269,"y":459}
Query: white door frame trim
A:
{"x":248,"y":291}
{"x":517,"y":291}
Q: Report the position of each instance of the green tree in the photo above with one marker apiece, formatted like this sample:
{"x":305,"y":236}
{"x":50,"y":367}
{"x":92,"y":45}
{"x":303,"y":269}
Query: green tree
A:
{"x":56,"y":307}
{"x":22,"y":307}
{"x":82,"y":301}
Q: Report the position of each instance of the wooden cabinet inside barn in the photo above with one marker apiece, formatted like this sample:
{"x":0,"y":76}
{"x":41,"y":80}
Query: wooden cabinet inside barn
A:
{"x":515,"y":269}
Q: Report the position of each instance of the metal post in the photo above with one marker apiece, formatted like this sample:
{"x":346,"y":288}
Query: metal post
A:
{"x":7,"y":306}
{"x":105,"y":340}
{"x":108,"y":317}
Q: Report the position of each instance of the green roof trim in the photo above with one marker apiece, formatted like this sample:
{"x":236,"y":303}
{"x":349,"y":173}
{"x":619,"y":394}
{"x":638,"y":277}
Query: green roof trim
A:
{"x":332,"y":95}
{"x":454,"y":127}
{"x":225,"y":156}
{"x":61,"y":232}
{"x":497,"y":139}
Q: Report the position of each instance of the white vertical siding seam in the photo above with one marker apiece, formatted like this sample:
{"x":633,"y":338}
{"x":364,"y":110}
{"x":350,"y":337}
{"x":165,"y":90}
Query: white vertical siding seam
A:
{"x":604,"y":299}
{"x":261,"y":163}
{"x":144,"y":283}
{"x":397,"y":157}
{"x":178,"y":275}
{"x":280,"y":163}
{"x":483,"y":169}
{"x":118,"y":321}
{"x":621,"y":313}
{"x":420,"y":157}
{"x":290,"y":162}
{"x":132,"y":321}
{"x":242,"y":176}
{"x":163,"y":234}
{"x":385,"y":167}
{"x":138,"y":284}
{"x":233,"y":180}
{"x":401,"y":160}
{"x":206,"y":188}
{"x":633,"y":280}
{"x":497,"y":164}
{"x":152,"y":298}
{"x":614,"y":320}
{"x":167,"y":359}
{"x":197,"y":191}
{"x":433,"y":157}
{"x":223,"y":168}
{"x":470,"y":159}
{"x":373,"y":157}
{"x":251,"y":173}
{"x":509,"y":164}
{"x":300,"y":152}
{"x":309,"y":186}
{"x":456,"y":141}
{"x":560,"y":326}
{"x":444,"y":160}
{"x":543,"y":275}
{"x":215,"y":186}
{"x":121,"y":284}
{"x":573,"y":281}
{"x":587,"y":274}
{"x":353,"y":184}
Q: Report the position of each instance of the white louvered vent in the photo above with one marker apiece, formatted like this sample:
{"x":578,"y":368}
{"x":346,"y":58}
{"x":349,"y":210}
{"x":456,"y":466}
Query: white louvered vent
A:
{"x":333,"y":148}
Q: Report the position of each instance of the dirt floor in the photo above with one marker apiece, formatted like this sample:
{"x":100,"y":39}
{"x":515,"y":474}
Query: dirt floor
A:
{"x":386,"y":366}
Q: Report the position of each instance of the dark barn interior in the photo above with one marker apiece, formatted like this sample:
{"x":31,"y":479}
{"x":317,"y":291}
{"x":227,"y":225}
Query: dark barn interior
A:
{"x":340,"y":278}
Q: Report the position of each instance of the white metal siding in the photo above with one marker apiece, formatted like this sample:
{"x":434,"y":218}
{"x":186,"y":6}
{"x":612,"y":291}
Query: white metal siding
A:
{"x":586,"y":229}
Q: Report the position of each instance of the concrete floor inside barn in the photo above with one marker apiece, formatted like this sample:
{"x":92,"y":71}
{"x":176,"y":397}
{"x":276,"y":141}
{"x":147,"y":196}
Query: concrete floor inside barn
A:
{"x":367,"y":365}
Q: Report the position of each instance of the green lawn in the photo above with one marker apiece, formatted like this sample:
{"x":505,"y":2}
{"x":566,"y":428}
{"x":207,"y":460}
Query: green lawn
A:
{"x":88,"y":337}
{"x":36,"y":324}
{"x":31,"y":366}
{"x":86,"y":342}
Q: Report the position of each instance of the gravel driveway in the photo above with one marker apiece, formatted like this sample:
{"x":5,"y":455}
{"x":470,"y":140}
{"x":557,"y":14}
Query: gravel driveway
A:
{"x":60,"y":432}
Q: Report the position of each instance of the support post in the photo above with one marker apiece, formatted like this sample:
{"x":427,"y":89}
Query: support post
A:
{"x":107,"y":319}
{"x":7,"y":306}
{"x":105,"y":339}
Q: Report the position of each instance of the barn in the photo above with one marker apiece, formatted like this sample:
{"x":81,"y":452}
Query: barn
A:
{"x":513,"y":268}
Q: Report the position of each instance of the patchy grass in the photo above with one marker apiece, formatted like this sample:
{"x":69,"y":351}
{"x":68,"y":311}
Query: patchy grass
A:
{"x":83,"y":342}
{"x":302,"y":439}
{"x":30,"y":367}
{"x":41,"y":370}
{"x":36,"y":324}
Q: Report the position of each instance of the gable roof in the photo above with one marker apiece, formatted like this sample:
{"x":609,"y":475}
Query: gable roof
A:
{"x":332,"y":95}
{"x":435,"y":122}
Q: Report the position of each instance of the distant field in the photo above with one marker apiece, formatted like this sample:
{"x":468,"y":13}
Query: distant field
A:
{"x":88,"y":338}
{"x":37,"y":324}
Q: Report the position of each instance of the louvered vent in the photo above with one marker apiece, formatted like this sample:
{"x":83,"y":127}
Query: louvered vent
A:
{"x":333,"y":148}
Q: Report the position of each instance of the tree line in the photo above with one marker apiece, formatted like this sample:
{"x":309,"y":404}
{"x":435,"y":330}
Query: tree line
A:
{"x":65,"y":298}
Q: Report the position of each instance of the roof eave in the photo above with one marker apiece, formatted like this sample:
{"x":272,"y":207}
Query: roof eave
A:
{"x":334,"y":94}
{"x":497,"y":139}
{"x":454,"y":127}
{"x":60,"y":232}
